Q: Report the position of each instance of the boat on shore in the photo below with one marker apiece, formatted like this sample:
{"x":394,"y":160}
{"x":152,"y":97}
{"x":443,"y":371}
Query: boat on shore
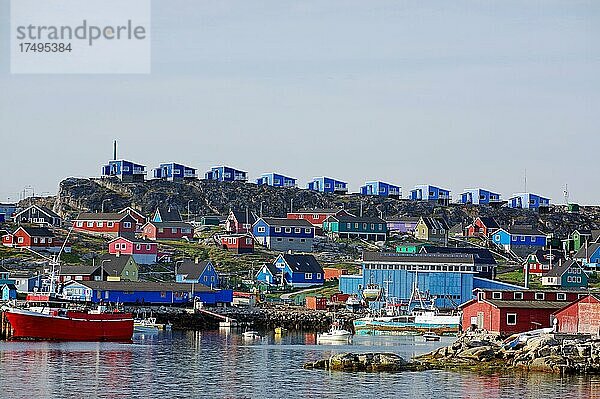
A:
{"x":336,"y":334}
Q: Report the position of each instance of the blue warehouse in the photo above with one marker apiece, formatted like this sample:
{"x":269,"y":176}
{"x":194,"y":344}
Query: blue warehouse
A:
{"x":381,"y":189}
{"x":479,"y":196}
{"x":127,"y":171}
{"x":174,"y":171}
{"x":328,"y":185}
{"x":276,"y":180}
{"x":426,"y":192}
{"x":225,"y":173}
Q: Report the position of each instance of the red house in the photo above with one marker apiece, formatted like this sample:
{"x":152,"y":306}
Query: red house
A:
{"x":239,"y":222}
{"x":238,"y":243}
{"x":35,"y":238}
{"x":509,"y":312}
{"x":168,"y":231}
{"x":106,"y":224}
{"x":316,"y":217}
{"x":144,"y":252}
{"x":539,"y":261}
{"x":137,"y":215}
{"x":581,"y":316}
{"x":482,"y":227}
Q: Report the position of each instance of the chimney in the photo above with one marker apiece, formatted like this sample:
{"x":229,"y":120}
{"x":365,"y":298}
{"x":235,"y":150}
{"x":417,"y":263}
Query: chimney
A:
{"x":118,"y":254}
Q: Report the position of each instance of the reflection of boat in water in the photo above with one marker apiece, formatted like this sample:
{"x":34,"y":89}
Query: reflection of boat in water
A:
{"x":335,"y":334}
{"x":150,"y":325}
{"x":280,"y":330}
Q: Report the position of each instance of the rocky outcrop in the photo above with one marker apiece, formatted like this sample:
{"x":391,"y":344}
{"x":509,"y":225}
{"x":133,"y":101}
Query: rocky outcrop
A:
{"x":552,"y":353}
{"x":369,"y":362}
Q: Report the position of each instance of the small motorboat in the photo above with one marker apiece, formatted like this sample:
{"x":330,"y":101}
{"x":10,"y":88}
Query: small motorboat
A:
{"x":336,"y":334}
{"x":150,"y":325}
{"x":431,"y":337}
{"x":251,"y":335}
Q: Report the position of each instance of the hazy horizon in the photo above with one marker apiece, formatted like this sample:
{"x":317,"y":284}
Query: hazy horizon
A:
{"x":455,"y":94}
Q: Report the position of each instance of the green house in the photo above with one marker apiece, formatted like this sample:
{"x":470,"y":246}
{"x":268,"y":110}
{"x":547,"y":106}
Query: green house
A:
{"x":410,"y":247}
{"x":348,"y":226}
{"x":120,"y":268}
{"x":566,"y":275}
{"x":579,"y":238}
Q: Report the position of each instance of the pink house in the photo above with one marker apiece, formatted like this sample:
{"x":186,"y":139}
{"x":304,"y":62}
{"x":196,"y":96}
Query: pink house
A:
{"x":144,"y":252}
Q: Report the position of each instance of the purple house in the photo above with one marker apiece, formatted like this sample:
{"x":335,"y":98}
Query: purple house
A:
{"x":402,"y":224}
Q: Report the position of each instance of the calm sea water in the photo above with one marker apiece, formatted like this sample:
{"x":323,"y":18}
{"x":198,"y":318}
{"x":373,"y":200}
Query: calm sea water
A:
{"x":222,"y":365}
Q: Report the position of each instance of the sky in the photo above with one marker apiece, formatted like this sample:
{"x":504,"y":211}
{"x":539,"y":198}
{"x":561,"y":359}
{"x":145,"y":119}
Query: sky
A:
{"x":458,"y":94}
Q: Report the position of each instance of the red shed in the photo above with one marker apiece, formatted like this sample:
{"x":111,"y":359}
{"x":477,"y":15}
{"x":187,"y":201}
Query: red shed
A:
{"x":238,"y":243}
{"x":581,"y":316}
{"x":316,"y":303}
{"x":331,"y":273}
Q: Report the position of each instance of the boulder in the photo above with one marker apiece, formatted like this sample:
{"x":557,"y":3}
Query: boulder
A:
{"x":548,"y":364}
{"x":480,"y":353}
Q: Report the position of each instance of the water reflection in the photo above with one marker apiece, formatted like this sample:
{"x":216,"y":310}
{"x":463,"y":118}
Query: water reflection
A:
{"x":221,"y":364}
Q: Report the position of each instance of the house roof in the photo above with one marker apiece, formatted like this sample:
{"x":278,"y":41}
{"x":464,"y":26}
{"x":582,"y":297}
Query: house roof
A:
{"x":168,"y":214}
{"x":405,"y":219}
{"x":400,"y":257}
{"x":100,"y":216}
{"x":302,"y":263}
{"x":130,"y":209}
{"x":134,"y":240}
{"x":272,"y":269}
{"x":331,"y":211}
{"x":480,"y":255}
{"x":595,"y":235}
{"x":240,"y":216}
{"x":144,"y":286}
{"x":489,"y":222}
{"x":3,"y":270}
{"x":356,"y":219}
{"x":10,"y":286}
{"x":498,"y":303}
{"x":170,"y":224}
{"x":287,"y":222}
{"x":191,"y":269}
{"x":83,"y":270}
{"x":42,"y":209}
{"x":37,"y":231}
{"x":559,"y":269}
{"x":435,"y":223}
{"x":114,"y":262}
{"x":524,"y":230}
{"x":543,"y":256}
{"x":583,"y":251}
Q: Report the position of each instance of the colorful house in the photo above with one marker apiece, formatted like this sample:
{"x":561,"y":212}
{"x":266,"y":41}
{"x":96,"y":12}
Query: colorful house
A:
{"x":542,"y":261}
{"x":316,"y":216}
{"x":295,"y":269}
{"x":168,"y":231}
{"x":197,"y":272}
{"x":8,"y":292}
{"x":145,"y":252}
{"x":381,"y":189}
{"x":240,"y":222}
{"x":579,"y":238}
{"x":27,"y":281}
{"x":284,"y":235}
{"x":7,"y":212}
{"x":169,"y":214}
{"x":238,"y":243}
{"x":35,"y":238}
{"x":328,"y":185}
{"x":106,"y":224}
{"x":432,"y":229}
{"x":127,"y":171}
{"x":567,"y":274}
{"x":510,"y":312}
{"x":528,"y":201}
{"x":225,"y":173}
{"x":482,"y":226}
{"x":589,"y":256}
{"x":39,"y":215}
{"x":427,"y":192}
{"x":581,"y":316}
{"x":479,"y":196}
{"x":402,"y":224}
{"x":275,"y":180}
{"x":119,"y":267}
{"x":146,"y":292}
{"x":368,"y":228}
{"x":174,"y":171}
{"x":140,"y":219}
{"x":520,"y":239}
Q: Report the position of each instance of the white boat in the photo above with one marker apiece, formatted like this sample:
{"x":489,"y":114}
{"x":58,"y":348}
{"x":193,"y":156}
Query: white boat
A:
{"x":335,"y":334}
{"x":431,"y":336}
{"x":149,"y":325}
{"x":251,"y":335}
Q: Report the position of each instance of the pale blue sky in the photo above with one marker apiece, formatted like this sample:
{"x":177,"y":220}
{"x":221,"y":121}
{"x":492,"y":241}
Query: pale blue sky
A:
{"x":454,"y":93}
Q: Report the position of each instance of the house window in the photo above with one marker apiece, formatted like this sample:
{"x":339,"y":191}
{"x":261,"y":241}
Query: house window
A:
{"x":348,"y":225}
{"x":279,"y":239}
{"x":148,"y":247}
{"x":35,"y":240}
{"x":481,"y":296}
{"x":42,"y":240}
{"x":497,"y":237}
{"x":288,"y":229}
{"x":248,"y":241}
{"x":138,"y":246}
{"x":110,"y":224}
{"x":127,"y":225}
{"x":49,"y":240}
{"x":518,"y":296}
{"x":496,"y":295}
{"x":561,"y":296}
{"x":308,"y":276}
{"x":277,"y":229}
{"x":90,"y":224}
{"x":314,"y":217}
{"x":127,"y":272}
{"x":297,"y":230}
{"x":79,"y":224}
{"x":163,"y":294}
{"x":100,"y":224}
{"x":174,"y":230}
{"x":318,"y":276}
{"x":433,"y":231}
{"x":205,"y":278}
{"x":260,"y":229}
{"x":307,"y":230}
{"x":372,"y":226}
{"x":160,"y":230}
{"x":539,"y":296}
{"x":511,"y":319}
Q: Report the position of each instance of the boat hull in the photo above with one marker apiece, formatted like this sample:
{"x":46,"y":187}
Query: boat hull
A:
{"x":74,"y":326}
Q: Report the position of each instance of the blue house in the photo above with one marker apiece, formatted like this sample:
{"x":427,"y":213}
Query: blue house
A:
{"x":296,"y":270}
{"x":280,"y":234}
{"x":7,"y":211}
{"x":225,"y":173}
{"x":127,"y":171}
{"x":478,"y":196}
{"x":8,"y":290}
{"x":522,"y":240}
{"x":276,"y":180}
{"x":197,"y":272}
{"x":137,"y":292}
{"x":426,"y":192}
{"x":328,"y":185}
{"x":589,"y":256}
{"x":174,"y":171}
{"x":382,"y":189}
{"x":528,"y":201}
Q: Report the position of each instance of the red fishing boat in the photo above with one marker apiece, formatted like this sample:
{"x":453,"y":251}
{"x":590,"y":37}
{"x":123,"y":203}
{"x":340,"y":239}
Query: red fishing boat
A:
{"x":45,"y":319}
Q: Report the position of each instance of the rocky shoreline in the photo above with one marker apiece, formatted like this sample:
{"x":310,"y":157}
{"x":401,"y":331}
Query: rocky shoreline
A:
{"x":482,"y":352}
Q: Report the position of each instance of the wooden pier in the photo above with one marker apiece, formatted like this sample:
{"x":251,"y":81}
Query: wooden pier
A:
{"x":5,"y":327}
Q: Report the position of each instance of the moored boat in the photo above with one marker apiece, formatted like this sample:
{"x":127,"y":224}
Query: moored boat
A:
{"x":431,"y":336}
{"x":336,"y":334}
